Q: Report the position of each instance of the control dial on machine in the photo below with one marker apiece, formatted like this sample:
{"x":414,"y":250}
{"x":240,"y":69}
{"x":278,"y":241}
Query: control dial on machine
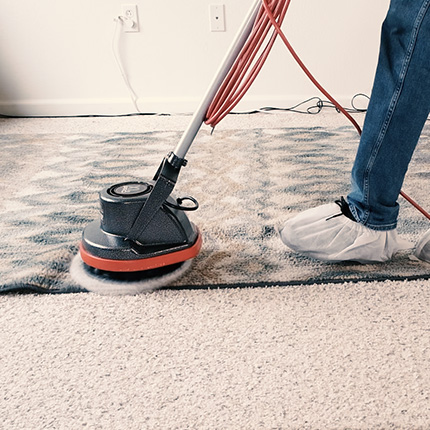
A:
{"x":130,"y":189}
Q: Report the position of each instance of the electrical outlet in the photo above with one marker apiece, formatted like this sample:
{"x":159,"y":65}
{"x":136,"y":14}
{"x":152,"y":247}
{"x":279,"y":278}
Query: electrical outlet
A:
{"x":130,"y":18}
{"x":217,"y":17}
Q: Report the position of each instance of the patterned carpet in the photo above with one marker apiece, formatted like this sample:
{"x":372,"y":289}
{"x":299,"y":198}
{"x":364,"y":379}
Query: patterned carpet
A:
{"x":248,"y":182}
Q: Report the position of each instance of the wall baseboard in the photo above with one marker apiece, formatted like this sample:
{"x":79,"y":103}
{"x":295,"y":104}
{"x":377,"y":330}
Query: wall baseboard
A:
{"x":119,"y":106}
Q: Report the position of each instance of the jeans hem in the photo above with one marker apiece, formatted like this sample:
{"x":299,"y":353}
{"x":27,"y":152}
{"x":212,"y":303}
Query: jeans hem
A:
{"x":378,"y":227}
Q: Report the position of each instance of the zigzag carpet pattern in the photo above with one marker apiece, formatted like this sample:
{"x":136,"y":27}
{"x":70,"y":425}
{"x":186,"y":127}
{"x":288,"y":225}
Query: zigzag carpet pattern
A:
{"x":248,"y":182}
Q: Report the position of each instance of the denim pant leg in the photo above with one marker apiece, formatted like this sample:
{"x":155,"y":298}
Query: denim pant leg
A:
{"x":398,"y":109}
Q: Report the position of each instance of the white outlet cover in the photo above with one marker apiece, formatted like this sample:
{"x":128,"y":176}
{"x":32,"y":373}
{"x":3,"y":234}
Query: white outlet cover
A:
{"x":130,"y":17}
{"x":217,"y":17}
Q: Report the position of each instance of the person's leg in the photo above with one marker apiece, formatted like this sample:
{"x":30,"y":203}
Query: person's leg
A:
{"x":398,"y":109}
{"x":364,"y":229}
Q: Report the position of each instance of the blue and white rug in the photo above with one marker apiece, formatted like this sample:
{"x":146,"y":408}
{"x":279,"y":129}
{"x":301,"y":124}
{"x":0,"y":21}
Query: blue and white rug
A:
{"x":248,"y":182}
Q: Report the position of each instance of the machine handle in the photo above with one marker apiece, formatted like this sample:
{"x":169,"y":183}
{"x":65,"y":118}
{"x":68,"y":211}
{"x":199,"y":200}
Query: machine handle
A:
{"x":228,"y":61}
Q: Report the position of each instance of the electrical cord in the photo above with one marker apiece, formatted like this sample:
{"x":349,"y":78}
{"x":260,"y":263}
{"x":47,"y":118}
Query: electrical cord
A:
{"x":116,"y":54}
{"x":242,"y":75}
{"x":278,"y":30}
{"x":246,"y":67}
{"x":313,"y":109}
{"x":237,"y":82}
{"x":244,"y":71}
{"x":83,"y":116}
{"x":353,"y":101}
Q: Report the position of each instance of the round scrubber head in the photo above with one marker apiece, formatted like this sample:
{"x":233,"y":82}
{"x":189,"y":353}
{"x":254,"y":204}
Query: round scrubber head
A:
{"x":125,"y":283}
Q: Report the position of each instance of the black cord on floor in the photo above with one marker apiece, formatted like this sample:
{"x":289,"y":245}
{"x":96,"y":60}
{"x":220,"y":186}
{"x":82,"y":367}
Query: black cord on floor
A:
{"x":316,"y":106}
{"x":86,"y":116}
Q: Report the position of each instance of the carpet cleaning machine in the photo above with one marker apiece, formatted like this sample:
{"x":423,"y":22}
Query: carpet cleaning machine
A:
{"x":144,"y":238}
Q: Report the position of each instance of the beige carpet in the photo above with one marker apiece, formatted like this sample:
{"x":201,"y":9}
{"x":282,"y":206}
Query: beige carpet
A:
{"x":334,"y":356}
{"x":349,"y":356}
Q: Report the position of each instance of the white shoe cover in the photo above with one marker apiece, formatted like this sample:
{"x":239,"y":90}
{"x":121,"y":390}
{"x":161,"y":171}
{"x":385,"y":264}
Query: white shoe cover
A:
{"x":422,"y":250}
{"x":319,"y":234}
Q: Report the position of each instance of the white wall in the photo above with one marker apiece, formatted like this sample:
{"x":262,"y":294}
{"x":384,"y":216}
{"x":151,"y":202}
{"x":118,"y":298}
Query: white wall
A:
{"x":56,"y":55}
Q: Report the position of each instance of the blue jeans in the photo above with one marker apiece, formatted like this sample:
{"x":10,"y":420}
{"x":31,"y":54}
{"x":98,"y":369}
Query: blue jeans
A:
{"x":398,"y":108}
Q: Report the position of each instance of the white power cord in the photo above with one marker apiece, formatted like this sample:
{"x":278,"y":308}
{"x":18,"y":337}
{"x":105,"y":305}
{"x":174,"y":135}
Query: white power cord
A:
{"x":115,"y":48}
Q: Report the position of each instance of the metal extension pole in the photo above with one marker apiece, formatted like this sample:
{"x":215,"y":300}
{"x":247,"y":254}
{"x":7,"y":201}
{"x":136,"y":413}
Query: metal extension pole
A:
{"x":228,"y":61}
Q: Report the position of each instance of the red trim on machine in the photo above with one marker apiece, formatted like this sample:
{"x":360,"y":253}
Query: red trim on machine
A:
{"x":143,"y":263}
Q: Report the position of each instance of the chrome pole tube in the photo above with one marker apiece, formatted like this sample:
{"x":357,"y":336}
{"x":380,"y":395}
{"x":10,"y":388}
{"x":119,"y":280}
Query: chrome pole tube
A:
{"x":228,"y":61}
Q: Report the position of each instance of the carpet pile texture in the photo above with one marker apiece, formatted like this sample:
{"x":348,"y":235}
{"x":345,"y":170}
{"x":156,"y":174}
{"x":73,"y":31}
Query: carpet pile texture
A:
{"x":345,"y":355}
{"x":248,"y":182}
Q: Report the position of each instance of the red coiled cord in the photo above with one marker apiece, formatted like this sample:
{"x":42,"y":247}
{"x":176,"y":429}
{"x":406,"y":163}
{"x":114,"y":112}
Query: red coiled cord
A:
{"x":241,"y":75}
{"x":245,"y":69}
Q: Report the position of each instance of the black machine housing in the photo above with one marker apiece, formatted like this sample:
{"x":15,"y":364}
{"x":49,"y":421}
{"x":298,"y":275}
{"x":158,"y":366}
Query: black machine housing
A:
{"x":140,"y":220}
